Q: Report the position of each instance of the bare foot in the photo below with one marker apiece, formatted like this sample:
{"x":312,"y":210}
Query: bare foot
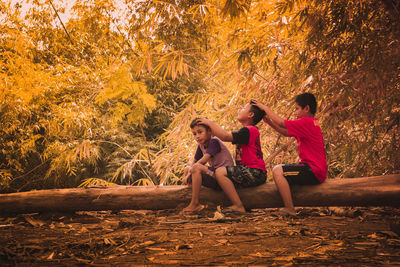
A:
{"x":288,"y":211}
{"x":237,"y":208}
{"x":193,"y":208}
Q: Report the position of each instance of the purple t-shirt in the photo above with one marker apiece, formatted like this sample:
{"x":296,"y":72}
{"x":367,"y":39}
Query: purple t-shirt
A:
{"x":248,"y":147}
{"x":220,"y":155}
{"x":310,"y":144}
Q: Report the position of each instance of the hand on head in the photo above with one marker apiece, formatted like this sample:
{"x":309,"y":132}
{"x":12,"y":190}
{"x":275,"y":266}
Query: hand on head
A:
{"x":204,"y":121}
{"x":257,"y":103}
{"x":261,"y":106}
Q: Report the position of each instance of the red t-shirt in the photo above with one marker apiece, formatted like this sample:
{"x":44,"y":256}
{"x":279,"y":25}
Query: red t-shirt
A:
{"x":310,"y":144}
{"x":248,"y":148}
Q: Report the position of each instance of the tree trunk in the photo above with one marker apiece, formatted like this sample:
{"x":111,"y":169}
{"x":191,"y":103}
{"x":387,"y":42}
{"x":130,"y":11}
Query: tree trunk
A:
{"x":368,"y":191}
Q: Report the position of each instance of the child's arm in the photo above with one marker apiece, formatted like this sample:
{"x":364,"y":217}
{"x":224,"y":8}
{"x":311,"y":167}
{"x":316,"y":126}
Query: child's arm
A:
{"x":276,"y":127}
{"x":204,"y":159}
{"x":271,"y":115}
{"x":217,"y":130}
{"x":274,"y":120}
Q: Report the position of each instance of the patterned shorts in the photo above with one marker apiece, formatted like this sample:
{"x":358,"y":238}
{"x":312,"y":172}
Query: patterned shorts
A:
{"x":243,"y":176}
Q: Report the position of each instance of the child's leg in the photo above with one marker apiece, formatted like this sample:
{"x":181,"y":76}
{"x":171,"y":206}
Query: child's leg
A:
{"x":229,"y":189}
{"x":283,"y":188}
{"x":197,"y":170}
{"x":187,"y":175}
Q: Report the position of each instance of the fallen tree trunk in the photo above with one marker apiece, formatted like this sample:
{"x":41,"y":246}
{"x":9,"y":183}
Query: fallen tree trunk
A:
{"x":368,"y":191}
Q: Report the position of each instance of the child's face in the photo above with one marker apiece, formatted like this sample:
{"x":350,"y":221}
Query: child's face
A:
{"x":244,"y":113}
{"x":301,"y":112}
{"x":201,"y":135}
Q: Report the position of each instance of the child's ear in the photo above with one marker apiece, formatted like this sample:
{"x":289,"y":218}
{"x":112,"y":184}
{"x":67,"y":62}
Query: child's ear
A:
{"x":307,"y":108}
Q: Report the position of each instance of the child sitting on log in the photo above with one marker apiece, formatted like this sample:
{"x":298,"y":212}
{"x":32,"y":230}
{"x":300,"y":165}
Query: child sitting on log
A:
{"x":250,"y":167}
{"x":312,"y":168}
{"x":210,"y":150}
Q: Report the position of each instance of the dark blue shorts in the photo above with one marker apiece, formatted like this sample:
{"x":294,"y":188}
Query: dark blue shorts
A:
{"x":300,"y":174}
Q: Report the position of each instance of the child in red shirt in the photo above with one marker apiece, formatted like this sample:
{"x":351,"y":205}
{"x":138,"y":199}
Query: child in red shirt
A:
{"x":250,"y":168}
{"x":312,"y":168}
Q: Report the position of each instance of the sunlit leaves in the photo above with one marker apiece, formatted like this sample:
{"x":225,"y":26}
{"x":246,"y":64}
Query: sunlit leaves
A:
{"x":129,"y":99}
{"x":171,"y":65}
{"x":101,"y":105}
{"x":279,"y":45}
{"x":236,"y":8}
{"x":96,"y":182}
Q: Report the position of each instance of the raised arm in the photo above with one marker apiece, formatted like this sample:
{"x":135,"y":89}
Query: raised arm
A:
{"x":276,"y":127}
{"x":217,"y":130}
{"x":274,"y":120}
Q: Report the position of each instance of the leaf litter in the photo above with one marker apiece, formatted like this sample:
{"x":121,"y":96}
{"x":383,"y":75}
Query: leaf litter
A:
{"x":318,"y":236}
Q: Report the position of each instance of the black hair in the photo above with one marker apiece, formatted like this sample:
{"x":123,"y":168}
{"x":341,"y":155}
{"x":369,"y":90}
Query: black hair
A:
{"x":258,"y":113}
{"x":307,"y":99}
{"x":196,"y":122}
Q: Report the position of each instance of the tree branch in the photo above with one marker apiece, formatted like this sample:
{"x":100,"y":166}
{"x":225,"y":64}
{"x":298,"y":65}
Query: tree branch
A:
{"x":62,"y":24}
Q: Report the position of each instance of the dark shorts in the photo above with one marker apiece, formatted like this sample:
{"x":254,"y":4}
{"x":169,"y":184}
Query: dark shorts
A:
{"x":300,"y":174}
{"x":208,"y":179}
{"x":243,"y":176}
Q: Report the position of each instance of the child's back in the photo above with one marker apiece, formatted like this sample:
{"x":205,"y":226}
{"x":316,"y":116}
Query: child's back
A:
{"x":248,"y":149}
{"x":310,"y":143}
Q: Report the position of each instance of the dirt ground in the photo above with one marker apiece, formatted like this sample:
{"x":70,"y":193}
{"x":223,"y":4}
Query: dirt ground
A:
{"x":318,"y":236}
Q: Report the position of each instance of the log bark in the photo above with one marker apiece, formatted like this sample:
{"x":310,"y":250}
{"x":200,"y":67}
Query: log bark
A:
{"x":367,"y":191}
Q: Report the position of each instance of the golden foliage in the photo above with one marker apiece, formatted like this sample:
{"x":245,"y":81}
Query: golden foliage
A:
{"x":112,"y":95}
{"x":131,"y":99}
{"x":96,"y":182}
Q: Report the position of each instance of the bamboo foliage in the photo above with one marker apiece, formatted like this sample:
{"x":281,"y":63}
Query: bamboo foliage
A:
{"x":133,"y":99}
{"x":109,"y":94}
{"x":275,"y":63}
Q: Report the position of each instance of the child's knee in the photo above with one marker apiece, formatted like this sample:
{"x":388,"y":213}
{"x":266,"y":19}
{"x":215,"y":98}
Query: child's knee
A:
{"x":220,"y":172}
{"x":197,"y":167}
{"x":277,"y":171}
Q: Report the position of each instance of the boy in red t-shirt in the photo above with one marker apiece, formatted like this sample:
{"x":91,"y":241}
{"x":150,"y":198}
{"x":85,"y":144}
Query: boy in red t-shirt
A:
{"x":312,"y":168}
{"x":250,"y":167}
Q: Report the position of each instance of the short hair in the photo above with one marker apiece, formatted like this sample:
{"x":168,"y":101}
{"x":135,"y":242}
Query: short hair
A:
{"x":258,"y":113}
{"x":307,"y":99}
{"x":196,"y":122}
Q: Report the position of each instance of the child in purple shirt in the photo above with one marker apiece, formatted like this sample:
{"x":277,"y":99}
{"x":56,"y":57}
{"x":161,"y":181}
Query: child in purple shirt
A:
{"x":250,"y":167}
{"x":312,"y":167}
{"x":209,"y":150}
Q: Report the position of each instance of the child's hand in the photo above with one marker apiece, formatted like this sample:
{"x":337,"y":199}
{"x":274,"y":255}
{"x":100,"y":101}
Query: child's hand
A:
{"x":205,"y":121}
{"x":258,"y":104}
{"x":185,"y":180}
{"x":186,"y":172}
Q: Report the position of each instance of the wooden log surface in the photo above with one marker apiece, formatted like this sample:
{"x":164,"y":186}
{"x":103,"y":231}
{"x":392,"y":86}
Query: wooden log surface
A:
{"x":367,"y":191}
